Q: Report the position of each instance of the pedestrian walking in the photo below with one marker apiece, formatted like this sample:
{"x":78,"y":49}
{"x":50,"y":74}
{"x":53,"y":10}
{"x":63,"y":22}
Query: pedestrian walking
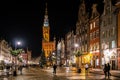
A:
{"x":86,"y":69}
{"x":20,"y":69}
{"x":54,"y":68}
{"x":105,"y":70}
{"x":108,"y":70}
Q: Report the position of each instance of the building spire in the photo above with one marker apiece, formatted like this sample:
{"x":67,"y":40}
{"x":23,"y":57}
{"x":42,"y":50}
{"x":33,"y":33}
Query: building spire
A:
{"x":46,"y":21}
{"x":94,"y":11}
{"x":46,"y":12}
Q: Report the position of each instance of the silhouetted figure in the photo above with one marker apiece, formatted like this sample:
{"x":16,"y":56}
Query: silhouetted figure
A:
{"x":7,"y":70}
{"x":14,"y":71}
{"x":20,"y":69}
{"x":54,"y":68}
{"x":108,"y":70}
{"x":105,"y":70}
{"x":86,"y":69}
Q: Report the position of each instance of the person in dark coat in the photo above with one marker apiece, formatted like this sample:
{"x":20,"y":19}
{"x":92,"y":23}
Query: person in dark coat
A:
{"x":20,"y":69}
{"x":105,"y":70}
{"x":108,"y":70}
{"x":54,"y":68}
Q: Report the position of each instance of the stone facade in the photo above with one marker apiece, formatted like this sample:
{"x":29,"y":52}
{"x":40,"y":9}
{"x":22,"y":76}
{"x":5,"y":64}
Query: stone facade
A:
{"x":108,"y":35}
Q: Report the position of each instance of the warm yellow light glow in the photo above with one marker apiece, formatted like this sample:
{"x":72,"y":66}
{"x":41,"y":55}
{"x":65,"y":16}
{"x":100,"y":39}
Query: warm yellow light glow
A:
{"x":87,"y":58}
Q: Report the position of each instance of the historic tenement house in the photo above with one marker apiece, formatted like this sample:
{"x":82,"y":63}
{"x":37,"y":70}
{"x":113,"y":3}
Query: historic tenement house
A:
{"x":94,"y":37}
{"x":82,"y":33}
{"x":108,"y":35}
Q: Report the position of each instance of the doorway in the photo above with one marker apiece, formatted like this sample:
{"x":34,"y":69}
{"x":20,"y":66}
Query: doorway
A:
{"x":113,"y":65}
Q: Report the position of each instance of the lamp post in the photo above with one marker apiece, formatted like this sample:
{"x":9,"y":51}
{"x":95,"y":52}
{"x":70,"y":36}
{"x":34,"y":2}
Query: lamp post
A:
{"x":53,"y":58}
{"x":18,"y":43}
{"x":77,"y":53}
{"x":15,"y":54}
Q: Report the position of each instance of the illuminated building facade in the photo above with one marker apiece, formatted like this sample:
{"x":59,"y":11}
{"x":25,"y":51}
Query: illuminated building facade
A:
{"x":47,"y":45}
{"x":61,"y":52}
{"x":108,"y":35}
{"x":94,"y":37}
{"x":5,"y":52}
{"x":82,"y":29}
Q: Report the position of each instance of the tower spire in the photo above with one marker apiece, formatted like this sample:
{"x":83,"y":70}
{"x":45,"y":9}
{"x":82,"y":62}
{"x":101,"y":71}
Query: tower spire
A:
{"x":46,"y":12}
{"x":46,"y":21}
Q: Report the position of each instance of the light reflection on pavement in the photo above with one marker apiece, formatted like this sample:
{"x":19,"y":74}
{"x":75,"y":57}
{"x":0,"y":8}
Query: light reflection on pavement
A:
{"x":46,"y":74}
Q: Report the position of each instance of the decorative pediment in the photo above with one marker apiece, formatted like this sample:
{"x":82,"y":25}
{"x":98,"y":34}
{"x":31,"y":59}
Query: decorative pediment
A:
{"x":94,"y":11}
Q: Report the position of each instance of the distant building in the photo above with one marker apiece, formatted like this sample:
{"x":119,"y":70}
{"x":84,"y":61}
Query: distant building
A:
{"x":29,"y":55}
{"x":5,"y":52}
{"x":69,"y":47}
{"x":24,"y":58}
{"x":61,"y":52}
{"x":47,"y":46}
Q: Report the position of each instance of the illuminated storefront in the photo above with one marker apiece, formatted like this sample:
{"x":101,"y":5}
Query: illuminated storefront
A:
{"x":110,"y":56}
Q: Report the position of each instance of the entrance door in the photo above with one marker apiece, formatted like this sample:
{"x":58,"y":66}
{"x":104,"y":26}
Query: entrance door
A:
{"x":113,"y":64}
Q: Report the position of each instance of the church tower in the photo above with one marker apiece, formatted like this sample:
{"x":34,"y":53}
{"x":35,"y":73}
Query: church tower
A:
{"x":48,"y":46}
{"x":46,"y":27}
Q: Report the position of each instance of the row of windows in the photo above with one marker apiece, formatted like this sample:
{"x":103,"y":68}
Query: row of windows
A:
{"x":83,"y":31}
{"x":94,"y":24}
{"x":84,"y":37}
{"x":94,"y":47}
{"x":109,"y":45}
{"x":48,"y":46}
{"x":94,"y":34}
{"x":84,"y":48}
{"x":108,"y":33}
{"x":48,"y":52}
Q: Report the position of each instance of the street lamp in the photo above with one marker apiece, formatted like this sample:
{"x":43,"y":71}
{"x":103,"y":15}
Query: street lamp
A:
{"x":76,"y":45}
{"x":18,"y":43}
{"x":53,"y":58}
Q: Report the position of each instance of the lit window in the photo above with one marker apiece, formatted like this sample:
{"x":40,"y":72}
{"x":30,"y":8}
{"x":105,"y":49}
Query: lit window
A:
{"x":103,"y":34}
{"x":113,"y":44}
{"x":90,"y":26}
{"x":94,"y":24}
{"x":113,"y":31}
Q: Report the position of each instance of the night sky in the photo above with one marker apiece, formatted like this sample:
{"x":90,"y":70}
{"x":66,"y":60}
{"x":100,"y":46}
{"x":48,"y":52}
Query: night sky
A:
{"x":23,"y":20}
